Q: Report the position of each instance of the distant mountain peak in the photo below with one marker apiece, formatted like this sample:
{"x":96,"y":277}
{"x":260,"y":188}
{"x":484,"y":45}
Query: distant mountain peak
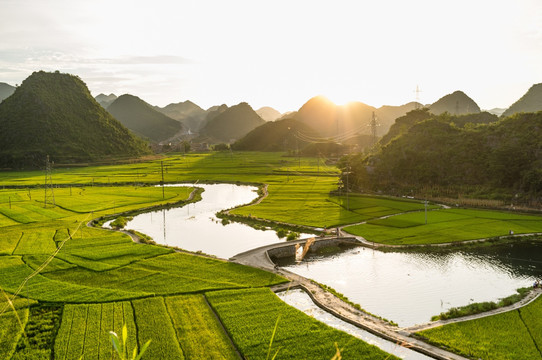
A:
{"x":456,"y":103}
{"x":105,"y":100}
{"x":6,"y":90}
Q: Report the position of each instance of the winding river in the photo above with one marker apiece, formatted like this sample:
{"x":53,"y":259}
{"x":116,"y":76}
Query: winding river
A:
{"x":407,"y":288}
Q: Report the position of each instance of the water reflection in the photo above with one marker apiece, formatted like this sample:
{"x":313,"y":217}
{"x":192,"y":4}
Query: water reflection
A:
{"x":301,"y":301}
{"x":409,"y":288}
{"x":195,"y":227}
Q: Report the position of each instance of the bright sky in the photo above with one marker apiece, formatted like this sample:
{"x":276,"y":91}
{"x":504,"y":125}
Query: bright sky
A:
{"x":279,"y":53}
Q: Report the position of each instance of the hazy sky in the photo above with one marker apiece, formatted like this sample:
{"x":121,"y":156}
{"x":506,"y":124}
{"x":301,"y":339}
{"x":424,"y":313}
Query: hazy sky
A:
{"x":279,"y":53}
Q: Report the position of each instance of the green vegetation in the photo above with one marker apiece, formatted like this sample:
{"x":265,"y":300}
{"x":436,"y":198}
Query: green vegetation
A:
{"x":55,"y":114}
{"x":198,"y":330}
{"x":477,"y":308}
{"x":297,"y":336}
{"x":154,"y":323}
{"x":11,"y":329}
{"x":435,"y":158}
{"x":445,"y":226}
{"x":39,"y":333}
{"x":511,"y":335}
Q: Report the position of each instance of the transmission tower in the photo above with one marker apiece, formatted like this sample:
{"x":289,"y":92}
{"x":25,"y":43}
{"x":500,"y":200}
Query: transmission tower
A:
{"x":373,"y":124}
{"x":49,"y":192}
{"x":417,"y":92}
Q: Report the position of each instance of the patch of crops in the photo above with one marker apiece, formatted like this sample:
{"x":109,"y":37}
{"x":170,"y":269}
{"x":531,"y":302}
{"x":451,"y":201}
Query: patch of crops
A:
{"x":511,"y":335}
{"x":11,"y":329}
{"x":13,"y":273}
{"x":297,"y":336}
{"x":530,"y":315}
{"x":445,"y":226}
{"x":174,"y":273}
{"x":154,"y":323}
{"x":198,"y":330}
{"x":85,"y":330}
{"x":40,"y":332}
{"x":36,"y":243}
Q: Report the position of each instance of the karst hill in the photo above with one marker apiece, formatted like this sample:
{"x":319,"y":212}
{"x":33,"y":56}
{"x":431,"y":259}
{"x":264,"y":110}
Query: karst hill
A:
{"x":55,"y":114}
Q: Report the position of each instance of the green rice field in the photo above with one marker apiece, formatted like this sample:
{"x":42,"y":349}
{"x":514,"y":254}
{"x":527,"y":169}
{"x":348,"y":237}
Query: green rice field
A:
{"x":65,"y":285}
{"x":512,"y":335}
{"x":445,"y":226}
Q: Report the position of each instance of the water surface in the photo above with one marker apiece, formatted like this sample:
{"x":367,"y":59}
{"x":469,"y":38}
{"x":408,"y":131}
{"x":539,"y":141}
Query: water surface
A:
{"x":195,"y":227}
{"x":409,"y":288}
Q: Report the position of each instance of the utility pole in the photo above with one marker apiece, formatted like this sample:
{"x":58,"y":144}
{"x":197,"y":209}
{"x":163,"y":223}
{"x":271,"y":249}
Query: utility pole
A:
{"x":425,"y":202}
{"x":162,"y":166}
{"x":49,"y":192}
{"x":347,"y":174}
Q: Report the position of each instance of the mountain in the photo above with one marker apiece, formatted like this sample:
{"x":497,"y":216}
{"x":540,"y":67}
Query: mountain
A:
{"x":387,"y":114}
{"x":456,"y":103}
{"x":143,"y":119}
{"x":188,"y":113}
{"x":105,"y":100}
{"x":279,"y":135}
{"x":530,"y":102}
{"x":321,"y":114}
{"x":496,"y":111}
{"x":268,"y":113}
{"x":55,"y":114}
{"x":5,"y":91}
{"x":214,"y":111}
{"x":354,"y":118}
{"x":231,"y":124}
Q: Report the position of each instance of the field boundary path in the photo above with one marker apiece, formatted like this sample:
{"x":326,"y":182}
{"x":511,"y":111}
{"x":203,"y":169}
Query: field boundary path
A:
{"x":532,"y":296}
{"x":259,"y":258}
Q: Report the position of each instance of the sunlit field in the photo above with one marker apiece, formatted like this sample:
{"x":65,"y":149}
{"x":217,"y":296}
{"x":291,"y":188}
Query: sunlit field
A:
{"x":446,"y":225}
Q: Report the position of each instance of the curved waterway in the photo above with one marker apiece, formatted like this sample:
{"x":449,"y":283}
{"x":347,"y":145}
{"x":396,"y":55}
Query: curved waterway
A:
{"x":195,"y":227}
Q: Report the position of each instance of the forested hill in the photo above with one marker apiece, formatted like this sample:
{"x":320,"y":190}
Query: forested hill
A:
{"x":279,"y":135}
{"x":456,"y":103}
{"x":403,"y":123}
{"x":55,"y":114}
{"x":143,"y":119}
{"x":231,"y":124}
{"x":530,"y":102}
{"x":503,"y":156}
